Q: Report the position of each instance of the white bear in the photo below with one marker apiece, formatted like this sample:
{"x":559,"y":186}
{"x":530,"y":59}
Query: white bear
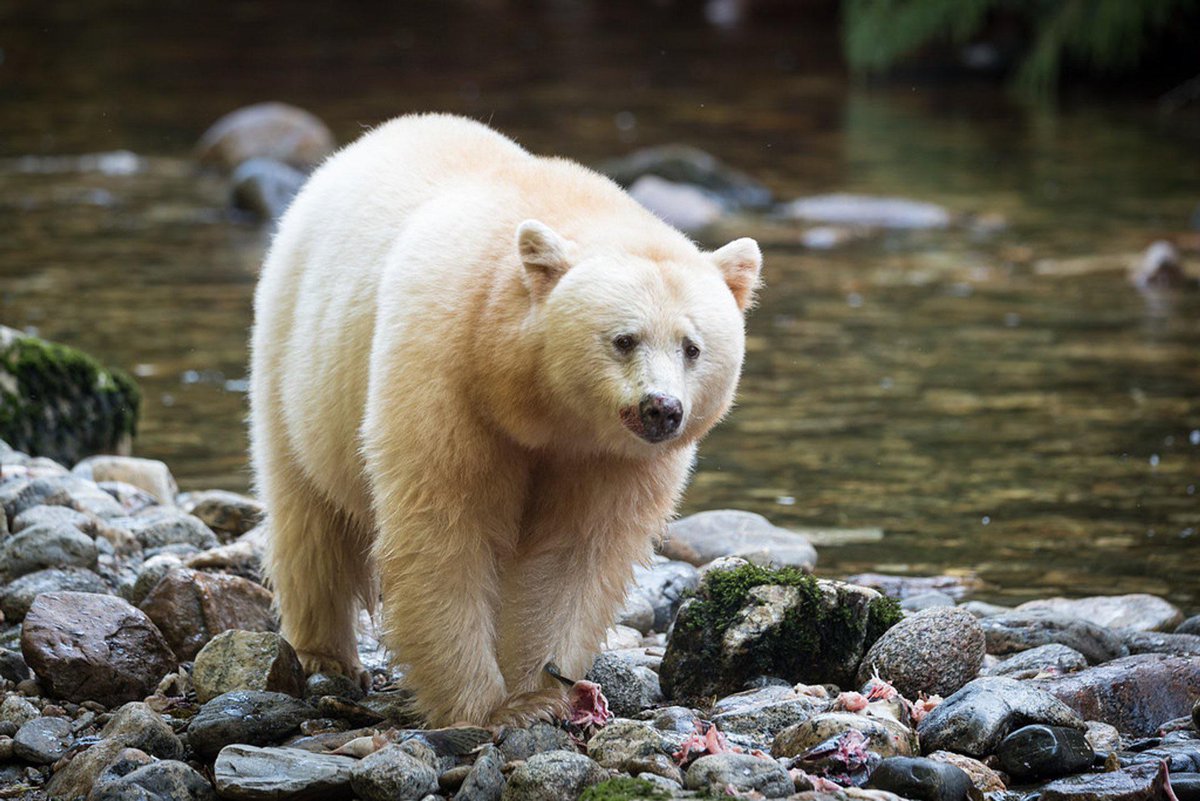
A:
{"x":478,"y":381}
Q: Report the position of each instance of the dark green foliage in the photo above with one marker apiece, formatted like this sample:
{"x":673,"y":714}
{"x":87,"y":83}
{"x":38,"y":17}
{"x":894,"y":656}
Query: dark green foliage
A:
{"x":1101,"y":35}
{"x":625,"y":788}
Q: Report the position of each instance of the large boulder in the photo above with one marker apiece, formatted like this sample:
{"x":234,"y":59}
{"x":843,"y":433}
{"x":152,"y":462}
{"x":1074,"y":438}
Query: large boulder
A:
{"x":61,"y":403}
{"x":748,"y":621}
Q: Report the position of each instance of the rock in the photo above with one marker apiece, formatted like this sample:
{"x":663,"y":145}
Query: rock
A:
{"x":683,"y":206}
{"x":638,"y":612}
{"x":321,"y":684}
{"x":268,"y":130}
{"x":168,"y":526}
{"x":552,"y":776}
{"x":975,"y":719}
{"x":1136,"y":611}
{"x":169,"y":780}
{"x":13,"y":667}
{"x":984,"y":778}
{"x":935,"y":651}
{"x":150,"y":475}
{"x":1196,"y":714}
{"x":191,"y":608}
{"x":1044,"y":752}
{"x":867,"y":211}
{"x":885,"y":736}
{"x":247,"y":660}
{"x":238,"y":558}
{"x":61,"y":403}
{"x":628,"y":688}
{"x":705,"y":536}
{"x":247,"y":773}
{"x":43,"y":741}
{"x":93,"y":647}
{"x":1136,"y":783}
{"x":1019,"y":631}
{"x":519,"y":744}
{"x":621,"y":638}
{"x":56,"y":516}
{"x":664,"y":582}
{"x":1051,"y":658}
{"x":633,"y":746}
{"x":1189,"y":626}
{"x":246,"y":717}
{"x":227,"y":513}
{"x":718,"y":774}
{"x":132,"y":499}
{"x":17,"y":597}
{"x":689,"y":165}
{"x":484,"y":782}
{"x":752,"y":621}
{"x":1160,"y":267}
{"x":926,"y":600}
{"x":904,"y":587}
{"x":17,"y":711}
{"x":921,"y":779}
{"x":45,"y":546}
{"x":1180,"y":753}
{"x":265,"y":187}
{"x":392,"y":774}
{"x":1136,"y":694}
{"x":1156,"y":642}
{"x":760,"y":715}
{"x":103,"y":763}
{"x":1102,"y":737}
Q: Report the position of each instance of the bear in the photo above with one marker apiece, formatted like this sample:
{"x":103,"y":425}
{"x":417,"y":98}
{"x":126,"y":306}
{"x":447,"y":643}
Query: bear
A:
{"x":478,"y":380}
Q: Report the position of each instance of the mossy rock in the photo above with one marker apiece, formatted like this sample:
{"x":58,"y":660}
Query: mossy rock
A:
{"x":61,"y":403}
{"x":752,"y":621}
{"x":625,"y":788}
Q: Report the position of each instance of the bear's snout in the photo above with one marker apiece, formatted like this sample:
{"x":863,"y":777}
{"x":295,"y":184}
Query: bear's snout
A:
{"x":660,"y":416}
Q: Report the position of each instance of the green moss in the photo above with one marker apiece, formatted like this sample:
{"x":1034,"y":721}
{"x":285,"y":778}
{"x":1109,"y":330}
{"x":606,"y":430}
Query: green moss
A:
{"x":625,"y":788}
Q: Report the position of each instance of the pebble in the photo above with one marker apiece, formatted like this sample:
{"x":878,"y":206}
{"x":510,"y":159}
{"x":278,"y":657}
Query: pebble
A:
{"x":552,"y":776}
{"x":885,"y":736}
{"x":629,"y":688}
{"x":18,"y":711}
{"x":247,"y":773}
{"x":1136,"y":694}
{"x":1136,"y":783}
{"x":1015,"y":631}
{"x":522,"y":743}
{"x":168,"y":780}
{"x":150,"y":475}
{"x":246,"y":717}
{"x":17,"y":596}
{"x":271,"y":130}
{"x":1051,"y":658}
{"x":1137,"y":611}
{"x":44,"y":546}
{"x":975,"y":719}
{"x":705,"y":536}
{"x":984,"y":778}
{"x":392,"y":774}
{"x":1044,"y":752}
{"x":760,"y":715}
{"x":921,"y":779}
{"x":43,"y":741}
{"x":93,"y":647}
{"x":247,"y":660}
{"x":485,"y":780}
{"x":193,"y":607}
{"x":729,"y":774}
{"x":1102,"y":737}
{"x":935,"y":651}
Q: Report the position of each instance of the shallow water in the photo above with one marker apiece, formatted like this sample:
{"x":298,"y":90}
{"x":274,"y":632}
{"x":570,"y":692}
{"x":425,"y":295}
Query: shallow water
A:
{"x":996,"y":401}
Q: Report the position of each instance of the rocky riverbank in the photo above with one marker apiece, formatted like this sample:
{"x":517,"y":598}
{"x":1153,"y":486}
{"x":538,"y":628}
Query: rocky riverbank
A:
{"x":139,"y":660}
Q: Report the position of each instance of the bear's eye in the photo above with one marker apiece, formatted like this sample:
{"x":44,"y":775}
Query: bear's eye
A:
{"x":625,"y":343}
{"x":691,"y":350}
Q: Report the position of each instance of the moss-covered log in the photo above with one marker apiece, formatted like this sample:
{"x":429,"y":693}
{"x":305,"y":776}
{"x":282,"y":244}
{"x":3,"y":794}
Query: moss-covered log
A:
{"x":61,"y":403}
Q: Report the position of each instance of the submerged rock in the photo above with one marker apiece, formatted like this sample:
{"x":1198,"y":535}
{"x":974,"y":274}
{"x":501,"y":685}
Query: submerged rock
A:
{"x":935,"y":651}
{"x":689,"y":165}
{"x":868,"y":211}
{"x":247,"y":773}
{"x":268,"y":130}
{"x":705,"y":536}
{"x":265,"y":187}
{"x":683,"y":206}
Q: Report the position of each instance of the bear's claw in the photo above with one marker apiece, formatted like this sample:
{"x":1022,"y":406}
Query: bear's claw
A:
{"x":323,"y":663}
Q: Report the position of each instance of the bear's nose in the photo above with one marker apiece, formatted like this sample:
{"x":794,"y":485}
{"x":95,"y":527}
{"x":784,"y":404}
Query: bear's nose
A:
{"x":661,"y":415}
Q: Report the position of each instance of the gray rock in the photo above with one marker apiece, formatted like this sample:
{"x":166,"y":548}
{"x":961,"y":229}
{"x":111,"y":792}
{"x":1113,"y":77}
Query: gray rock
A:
{"x":1156,"y":642}
{"x":55,"y":516}
{"x":921,"y":779}
{"x":269,"y":130}
{"x":1012,"y":632}
{"x":44,"y":546}
{"x":1180,"y":753}
{"x":227,"y":513}
{"x":983,"y":609}
{"x":86,"y":647}
{"x":1044,"y":752}
{"x":265,"y":187}
{"x":247,"y":660}
{"x":760,"y":715}
{"x":1161,"y":267}
{"x":168,"y":526}
{"x":1136,"y":611}
{"x":247,"y":773}
{"x":152,"y":571}
{"x":17,"y":596}
{"x":392,"y":774}
{"x":43,"y":741}
{"x":1136,"y":694}
{"x":1051,"y":658}
{"x":683,"y":206}
{"x":629,"y":688}
{"x":133,"y":499}
{"x":485,"y":781}
{"x":150,"y":475}
{"x":716,"y":774}
{"x":638,"y":612}
{"x":517,"y":744}
{"x":1189,"y":626}
{"x":12,"y":666}
{"x":664,"y":583}
{"x":169,"y":780}
{"x":246,"y":717}
{"x":935,"y":651}
{"x":904,"y":587}
{"x":1135,"y":783}
{"x":926,"y":600}
{"x":703,"y":537}
{"x":867,"y":211}
{"x":885,"y":736}
{"x":335,"y":684}
{"x":18,"y":711}
{"x":689,"y":165}
{"x":975,"y":719}
{"x":58,"y":490}
{"x":552,"y":776}
{"x":634,"y":746}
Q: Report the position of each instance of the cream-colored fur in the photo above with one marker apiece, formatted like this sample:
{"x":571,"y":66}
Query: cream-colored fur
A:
{"x":436,"y":406}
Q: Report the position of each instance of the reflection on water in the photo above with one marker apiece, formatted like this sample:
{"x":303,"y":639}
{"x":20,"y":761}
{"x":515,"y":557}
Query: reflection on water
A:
{"x":996,"y":399}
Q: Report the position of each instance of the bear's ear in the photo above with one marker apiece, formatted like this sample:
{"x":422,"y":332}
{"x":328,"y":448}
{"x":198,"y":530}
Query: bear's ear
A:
{"x":544,"y":254}
{"x":740,"y":262}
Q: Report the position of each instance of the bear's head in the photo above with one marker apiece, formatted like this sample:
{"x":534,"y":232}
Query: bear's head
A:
{"x":640,"y":351}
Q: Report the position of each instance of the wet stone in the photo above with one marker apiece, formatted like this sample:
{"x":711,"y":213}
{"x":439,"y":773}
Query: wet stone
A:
{"x":45,"y":546}
{"x":716,"y":774}
{"x":192,"y":607}
{"x":1155,"y":642}
{"x":552,"y":776}
{"x":1045,"y":659}
{"x":1189,"y":626}
{"x":984,"y":778}
{"x":1136,"y":783}
{"x":13,"y":667}
{"x":1137,"y":611}
{"x":629,"y":688}
{"x":935,"y":651}
{"x":1102,"y":737}
{"x":921,"y":779}
{"x":248,"y":773}
{"x":43,"y":741}
{"x":392,"y":774}
{"x":133,"y":734}
{"x":1015,"y":631}
{"x":168,"y":526}
{"x":17,"y":596}
{"x":523,"y":743}
{"x":321,"y":684}
{"x":485,"y":781}
{"x":884,"y":736}
{"x":247,"y":660}
{"x":1044,"y":752}
{"x":169,"y":780}
{"x":246,"y":717}
{"x":664,"y":583}
{"x":705,"y":536}
{"x":760,"y":715}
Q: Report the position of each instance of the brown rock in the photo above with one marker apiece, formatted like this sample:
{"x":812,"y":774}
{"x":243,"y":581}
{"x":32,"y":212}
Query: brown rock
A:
{"x":1136,"y":694}
{"x":227,"y":513}
{"x":984,"y":778}
{"x":191,"y":608}
{"x":94,"y":647}
{"x":270,"y":130}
